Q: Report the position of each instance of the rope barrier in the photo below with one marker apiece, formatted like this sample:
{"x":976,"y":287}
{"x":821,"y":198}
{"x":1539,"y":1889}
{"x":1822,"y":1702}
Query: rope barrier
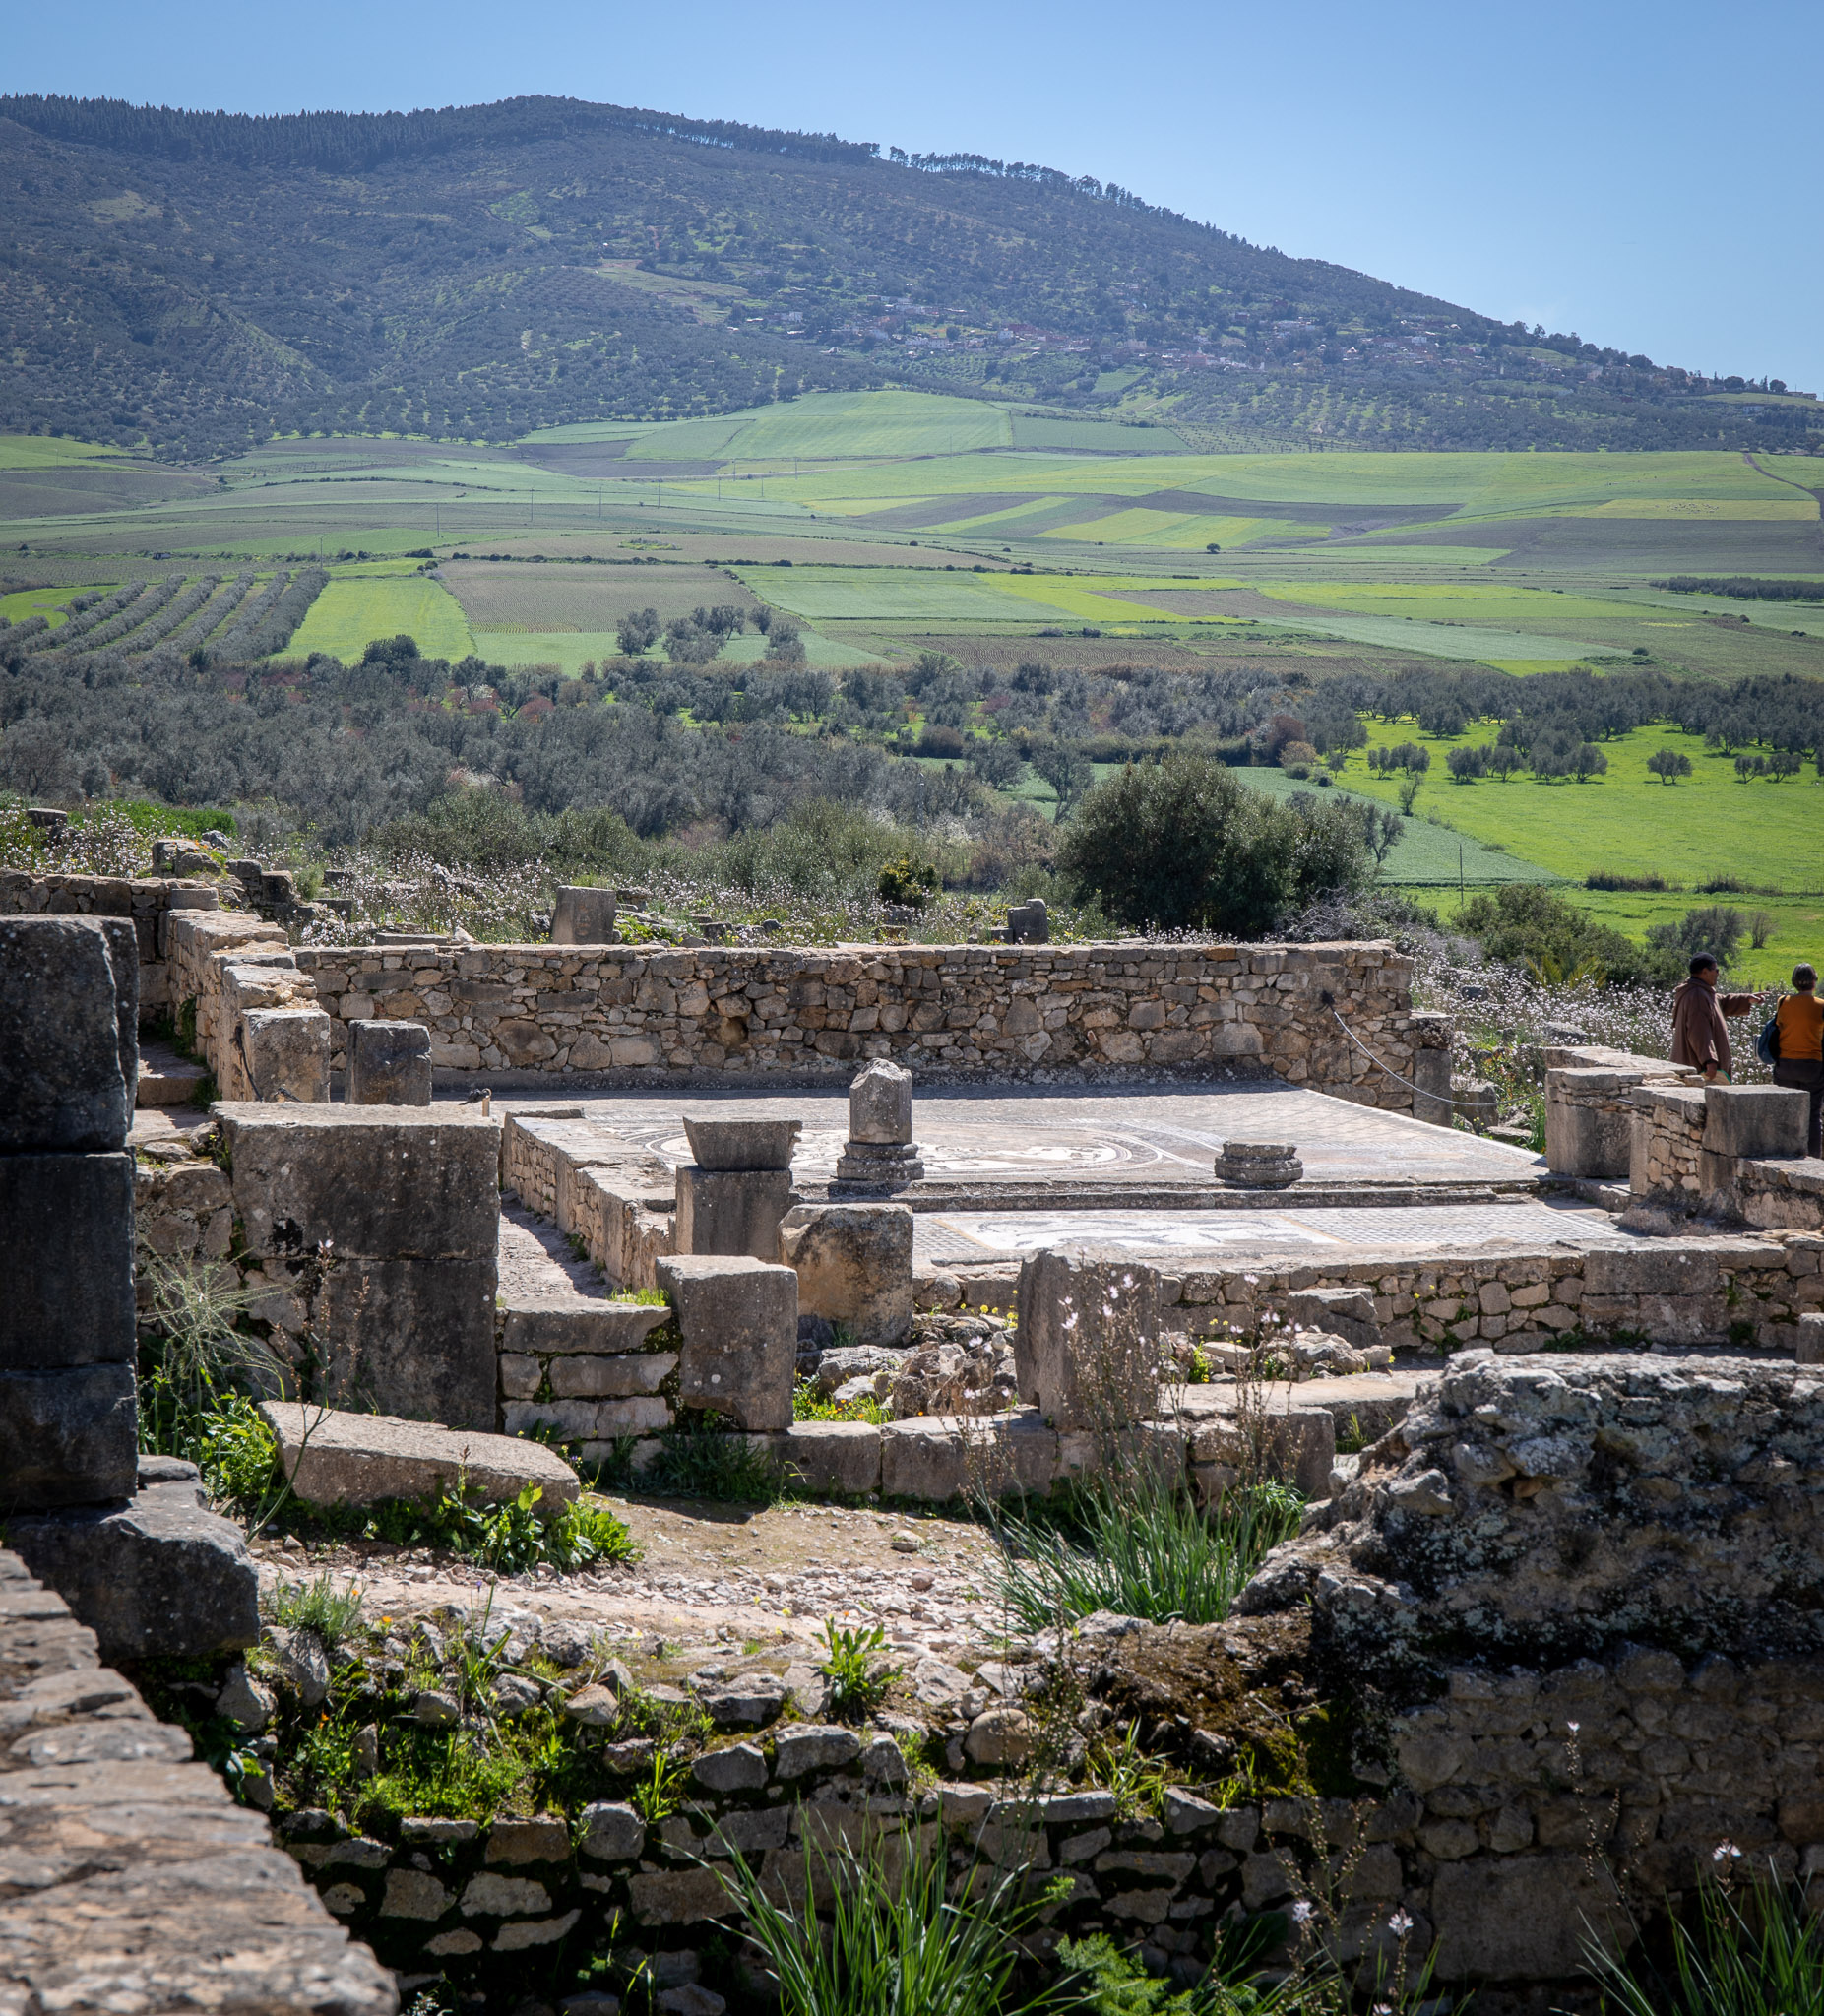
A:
{"x":1442,"y":1098}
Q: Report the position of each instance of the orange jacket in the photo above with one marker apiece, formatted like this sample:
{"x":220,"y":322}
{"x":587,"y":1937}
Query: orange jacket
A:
{"x":1800,"y":1023}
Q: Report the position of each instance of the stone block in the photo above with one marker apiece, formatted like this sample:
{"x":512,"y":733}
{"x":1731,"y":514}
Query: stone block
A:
{"x":63,"y":1082}
{"x":413,"y":1337}
{"x":853,"y":1263}
{"x":66,"y":1228}
{"x":1346,"y":1312}
{"x":390,"y":1182}
{"x":1810,"y":1327}
{"x":552,"y":1324}
{"x":389,"y":1064}
{"x":1086,"y":1345}
{"x":611,"y":1833}
{"x":1522,"y":1918}
{"x":742,"y":1146}
{"x":828,"y":1456}
{"x":738,"y":1321}
{"x":612,"y":1378}
{"x":285,"y":1053}
{"x":161,"y":1578}
{"x":938,"y":1457}
{"x":584,"y":916}
{"x":880,"y":1098}
{"x":1589,"y":1129}
{"x":1664,"y":1268}
{"x":1029,"y":923}
{"x":68,"y":1436}
{"x":332,"y":1458}
{"x":732,"y":1212}
{"x":1754,"y":1121}
{"x":590,"y":1420}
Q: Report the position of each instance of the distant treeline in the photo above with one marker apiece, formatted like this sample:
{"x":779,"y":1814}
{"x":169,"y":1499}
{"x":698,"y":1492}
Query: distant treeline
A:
{"x":341,"y":143}
{"x":1746,"y":588}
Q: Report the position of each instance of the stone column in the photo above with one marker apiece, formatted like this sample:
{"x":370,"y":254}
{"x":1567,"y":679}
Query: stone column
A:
{"x":880,"y":1152}
{"x":68,"y":1062}
{"x":124,"y":1540}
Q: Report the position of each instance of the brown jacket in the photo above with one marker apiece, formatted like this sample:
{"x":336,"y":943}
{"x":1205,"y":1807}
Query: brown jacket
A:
{"x":1700,"y":1036}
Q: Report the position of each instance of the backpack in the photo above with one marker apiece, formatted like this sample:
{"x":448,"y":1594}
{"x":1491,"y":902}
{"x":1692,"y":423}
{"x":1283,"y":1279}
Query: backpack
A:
{"x":1767,"y":1043}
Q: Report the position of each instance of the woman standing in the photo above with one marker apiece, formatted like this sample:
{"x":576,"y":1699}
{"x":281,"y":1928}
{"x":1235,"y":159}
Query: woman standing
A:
{"x":1800,"y":1023}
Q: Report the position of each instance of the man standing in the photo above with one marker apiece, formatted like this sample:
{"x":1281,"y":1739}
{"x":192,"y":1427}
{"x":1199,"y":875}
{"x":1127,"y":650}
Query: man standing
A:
{"x":1700,"y":1037}
{"x":1800,"y":1023}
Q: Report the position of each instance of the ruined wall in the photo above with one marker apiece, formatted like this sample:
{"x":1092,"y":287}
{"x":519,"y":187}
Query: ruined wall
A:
{"x":148,"y":902}
{"x":1667,"y":1144}
{"x":1589,"y":1107}
{"x":630,"y":1014}
{"x":1591,"y":1591}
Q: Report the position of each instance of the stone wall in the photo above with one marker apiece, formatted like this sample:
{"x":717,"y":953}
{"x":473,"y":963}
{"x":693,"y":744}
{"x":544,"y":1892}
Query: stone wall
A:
{"x":1591,"y":1591}
{"x":147,"y":901}
{"x":1698,"y":1290}
{"x":619,"y":1200}
{"x":624,"y":1014}
{"x":1589,"y":1107}
{"x":1668,"y":1144}
{"x":225,"y":962}
{"x":148,"y":1887}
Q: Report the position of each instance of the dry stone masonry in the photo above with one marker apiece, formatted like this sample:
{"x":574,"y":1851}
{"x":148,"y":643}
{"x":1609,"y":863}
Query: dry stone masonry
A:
{"x":629,"y":1014}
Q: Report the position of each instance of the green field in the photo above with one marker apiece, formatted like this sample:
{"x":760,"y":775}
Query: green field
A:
{"x":1627,"y":821}
{"x":48,"y":451}
{"x":355,"y":608}
{"x":48,"y":603}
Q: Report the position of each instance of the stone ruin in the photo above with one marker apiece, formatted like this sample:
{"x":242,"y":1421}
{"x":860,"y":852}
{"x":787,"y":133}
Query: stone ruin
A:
{"x":1563,"y":1615}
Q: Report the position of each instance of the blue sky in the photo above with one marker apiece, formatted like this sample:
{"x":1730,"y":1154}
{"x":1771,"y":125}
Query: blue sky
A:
{"x":1642,"y":174}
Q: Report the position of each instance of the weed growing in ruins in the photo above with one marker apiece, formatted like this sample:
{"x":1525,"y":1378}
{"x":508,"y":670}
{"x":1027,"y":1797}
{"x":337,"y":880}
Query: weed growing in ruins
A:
{"x":902,"y":1939}
{"x":660,"y":1793}
{"x":1752,"y":1950}
{"x":335,"y":1615}
{"x":510,"y":1537}
{"x":1119,"y":1762}
{"x":808,"y":1405}
{"x":706,"y":1461}
{"x":857,"y":1684}
{"x":1133,"y":1542}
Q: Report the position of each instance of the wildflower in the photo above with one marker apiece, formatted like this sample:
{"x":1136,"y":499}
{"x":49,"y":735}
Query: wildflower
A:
{"x":1399,"y":1924}
{"x":1303,"y":1911}
{"x":1725,"y":1851}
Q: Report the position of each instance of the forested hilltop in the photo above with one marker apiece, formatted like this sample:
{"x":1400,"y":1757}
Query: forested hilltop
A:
{"x":201,"y":280}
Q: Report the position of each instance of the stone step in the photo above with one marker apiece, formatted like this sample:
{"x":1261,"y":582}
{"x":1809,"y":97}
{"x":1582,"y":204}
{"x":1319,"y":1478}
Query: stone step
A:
{"x":169,"y":1082}
{"x":547,"y":1324}
{"x":335,"y":1458}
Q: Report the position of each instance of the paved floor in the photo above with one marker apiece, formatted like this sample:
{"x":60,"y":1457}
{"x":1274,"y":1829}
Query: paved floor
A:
{"x":955,"y":1239}
{"x":1141,"y":1136}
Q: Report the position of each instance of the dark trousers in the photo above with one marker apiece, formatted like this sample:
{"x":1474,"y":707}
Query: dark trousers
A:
{"x":1806,"y":1074}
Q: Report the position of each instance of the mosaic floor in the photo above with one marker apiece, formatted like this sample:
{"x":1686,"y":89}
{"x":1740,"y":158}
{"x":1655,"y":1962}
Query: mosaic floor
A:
{"x":1117,"y":1135}
{"x":956,"y":1238}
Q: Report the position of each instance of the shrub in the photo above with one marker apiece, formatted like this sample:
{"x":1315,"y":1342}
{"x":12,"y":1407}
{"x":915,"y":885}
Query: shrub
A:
{"x":1185,"y":846}
{"x":1528,"y":924}
{"x":908,"y":881}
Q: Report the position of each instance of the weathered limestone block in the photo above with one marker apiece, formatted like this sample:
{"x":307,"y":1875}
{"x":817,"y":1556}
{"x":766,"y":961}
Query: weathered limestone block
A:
{"x":1754,"y":1120}
{"x":584,"y":916}
{"x":828,"y":1456}
{"x":286,"y":1055}
{"x":69,"y":1044}
{"x":1087,"y":1345}
{"x":853,"y":1263}
{"x":333,"y":1458}
{"x":68,"y":1436}
{"x":66,"y":1228}
{"x":554,"y":1324}
{"x":730,"y":1145}
{"x":385,"y":1222}
{"x":159,"y":1577}
{"x":880,"y":1102}
{"x":938,"y":1457}
{"x":389,"y":1064}
{"x":738,"y":1321}
{"x":732,"y":1212}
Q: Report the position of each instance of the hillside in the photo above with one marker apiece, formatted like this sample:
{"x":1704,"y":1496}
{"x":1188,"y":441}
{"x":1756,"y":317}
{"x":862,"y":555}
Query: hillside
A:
{"x":201,"y":281}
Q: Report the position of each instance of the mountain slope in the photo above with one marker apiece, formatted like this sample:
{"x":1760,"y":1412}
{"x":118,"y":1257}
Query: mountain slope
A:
{"x":201,"y":280}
